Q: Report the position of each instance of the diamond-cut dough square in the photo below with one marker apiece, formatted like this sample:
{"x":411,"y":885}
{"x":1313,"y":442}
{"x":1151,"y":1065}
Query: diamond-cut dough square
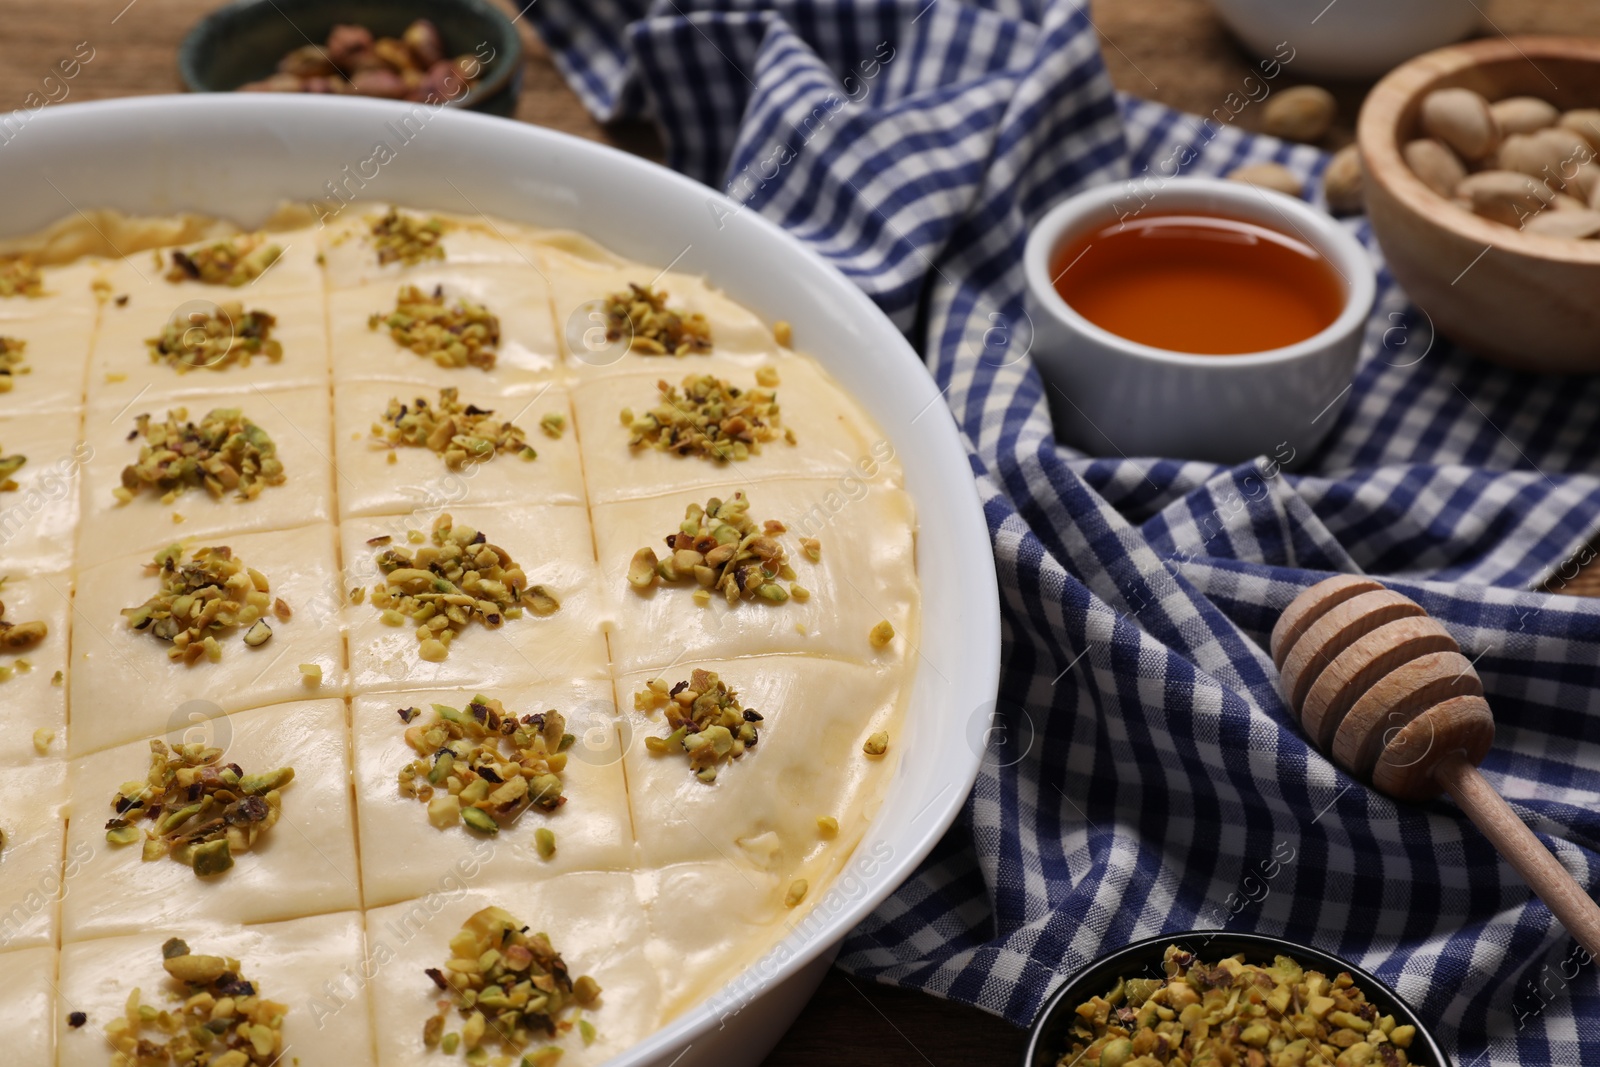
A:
{"x":142,"y":276}
{"x":298,"y":422}
{"x":32,"y":700}
{"x":807,"y":763}
{"x":526,"y":359}
{"x":553,"y":547}
{"x":708,"y":921}
{"x":303,"y":865}
{"x":314,"y":966}
{"x":39,"y":519}
{"x":33,"y":806}
{"x":831,"y":435}
{"x":594,"y":920}
{"x":56,"y":354}
{"x":28,"y":1012}
{"x":370,"y":485}
{"x":403,"y":855}
{"x":582,"y":275}
{"x":122,"y":372}
{"x":351,"y":259}
{"x":867,"y":573}
{"x":125,"y":688}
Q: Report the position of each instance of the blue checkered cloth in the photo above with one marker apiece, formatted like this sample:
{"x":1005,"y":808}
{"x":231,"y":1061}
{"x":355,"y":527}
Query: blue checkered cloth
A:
{"x":1144,"y":776}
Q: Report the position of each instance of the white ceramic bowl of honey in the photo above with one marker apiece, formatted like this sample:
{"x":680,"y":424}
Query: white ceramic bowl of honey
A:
{"x":1203,"y":319}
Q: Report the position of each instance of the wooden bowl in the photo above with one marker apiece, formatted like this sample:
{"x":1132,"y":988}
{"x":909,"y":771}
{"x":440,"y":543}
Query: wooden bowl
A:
{"x":1525,"y":301}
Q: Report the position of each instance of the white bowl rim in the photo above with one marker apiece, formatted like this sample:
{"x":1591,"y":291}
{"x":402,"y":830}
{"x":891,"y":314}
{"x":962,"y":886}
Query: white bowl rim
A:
{"x":958,"y":518}
{"x":1176,"y":195}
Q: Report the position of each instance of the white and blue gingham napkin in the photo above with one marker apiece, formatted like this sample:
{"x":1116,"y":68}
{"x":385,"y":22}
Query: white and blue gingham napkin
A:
{"x":1146,"y":777}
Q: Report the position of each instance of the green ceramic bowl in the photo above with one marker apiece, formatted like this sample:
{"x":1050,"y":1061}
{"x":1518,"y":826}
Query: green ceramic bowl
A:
{"x":242,"y":42}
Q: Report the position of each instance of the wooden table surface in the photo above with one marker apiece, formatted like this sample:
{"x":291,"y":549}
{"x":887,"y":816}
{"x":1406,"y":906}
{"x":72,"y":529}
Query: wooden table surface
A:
{"x":1174,"y":51}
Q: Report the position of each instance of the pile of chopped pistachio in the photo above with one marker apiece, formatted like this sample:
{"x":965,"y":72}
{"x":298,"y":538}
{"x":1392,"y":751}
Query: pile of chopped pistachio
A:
{"x":443,"y":587}
{"x":510,"y":986}
{"x":10,"y":465}
{"x":706,"y":719}
{"x":204,"y":813}
{"x":19,"y":276}
{"x":18,"y":637}
{"x":229,"y":336}
{"x":215,"y":1017}
{"x":210,"y":596}
{"x":482,"y":765}
{"x":1235,"y":1012}
{"x":461,"y":433}
{"x":460,"y":335}
{"x":407,"y":239}
{"x":224,"y":453}
{"x":709,"y":418}
{"x":11,"y":362}
{"x":232,"y":262}
{"x":719,"y":546}
{"x":640,"y":313}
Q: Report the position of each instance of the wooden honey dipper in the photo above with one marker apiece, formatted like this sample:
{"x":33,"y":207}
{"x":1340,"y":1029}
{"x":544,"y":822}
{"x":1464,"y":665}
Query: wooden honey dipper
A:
{"x":1386,"y":689}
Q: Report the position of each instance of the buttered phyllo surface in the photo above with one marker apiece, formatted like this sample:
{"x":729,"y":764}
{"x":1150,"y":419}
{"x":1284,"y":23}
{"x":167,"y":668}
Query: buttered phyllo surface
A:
{"x":423,"y":639}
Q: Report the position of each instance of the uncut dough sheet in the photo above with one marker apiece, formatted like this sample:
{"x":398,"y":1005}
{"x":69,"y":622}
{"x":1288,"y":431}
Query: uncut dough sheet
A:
{"x":662,"y":887}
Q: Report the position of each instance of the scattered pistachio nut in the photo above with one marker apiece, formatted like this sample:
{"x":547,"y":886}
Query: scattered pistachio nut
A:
{"x":508,"y":986}
{"x":229,"y":336}
{"x":12,"y":363}
{"x":1342,"y":181}
{"x":483,"y":765}
{"x":10,"y":465}
{"x":707,"y":722}
{"x":460,"y":433}
{"x":204,"y":812}
{"x":19,"y":276}
{"x":812,"y":549}
{"x":1302,"y":113}
{"x":232,"y":262}
{"x":200,"y":600}
{"x":554,"y":424}
{"x":640,"y":314}
{"x":444,"y":586}
{"x":1235,"y":1012}
{"x":719,"y":546}
{"x":544,"y":842}
{"x":1461,"y":119}
{"x":882,"y":634}
{"x":214,"y":1015}
{"x":462,"y":334}
{"x":1438,"y":167}
{"x":42,"y":739}
{"x":1274,"y":176}
{"x":20,"y":636}
{"x":710,"y":418}
{"x":223,"y":453}
{"x":827,"y":825}
{"x":797,"y":892}
{"x":311,"y":673}
{"x":877,"y":744}
{"x":405,"y":238}
{"x":783,"y":333}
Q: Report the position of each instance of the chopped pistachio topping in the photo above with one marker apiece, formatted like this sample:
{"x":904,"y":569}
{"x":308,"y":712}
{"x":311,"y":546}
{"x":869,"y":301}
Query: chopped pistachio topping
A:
{"x":232,"y":262}
{"x":444,"y":586}
{"x":707,"y":722}
{"x":227,"y":337}
{"x":783,"y":333}
{"x":640,"y":313}
{"x":42,"y":739}
{"x":553,"y":424}
{"x":408,"y":239}
{"x":19,"y":636}
{"x":767,"y":377}
{"x":1235,"y":1012}
{"x":311,"y":673}
{"x":214,"y":1016}
{"x":710,"y":418}
{"x":462,"y":334}
{"x":12,"y":365}
{"x":484,"y":766}
{"x":19,"y":276}
{"x":223,"y":453}
{"x":881,"y":634}
{"x":827,"y":825}
{"x":10,"y":465}
{"x":544,"y":842}
{"x":208,"y":597}
{"x":460,"y":433}
{"x":509,"y":986}
{"x":202,"y":812}
{"x":720,"y":547}
{"x":797,"y":892}
{"x":877,"y":744}
{"x":812,"y":549}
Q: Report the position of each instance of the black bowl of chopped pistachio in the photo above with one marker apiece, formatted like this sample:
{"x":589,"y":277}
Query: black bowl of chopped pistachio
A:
{"x":1217,"y":997}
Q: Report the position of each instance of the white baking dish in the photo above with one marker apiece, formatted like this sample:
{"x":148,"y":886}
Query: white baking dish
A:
{"x":239,"y":156}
